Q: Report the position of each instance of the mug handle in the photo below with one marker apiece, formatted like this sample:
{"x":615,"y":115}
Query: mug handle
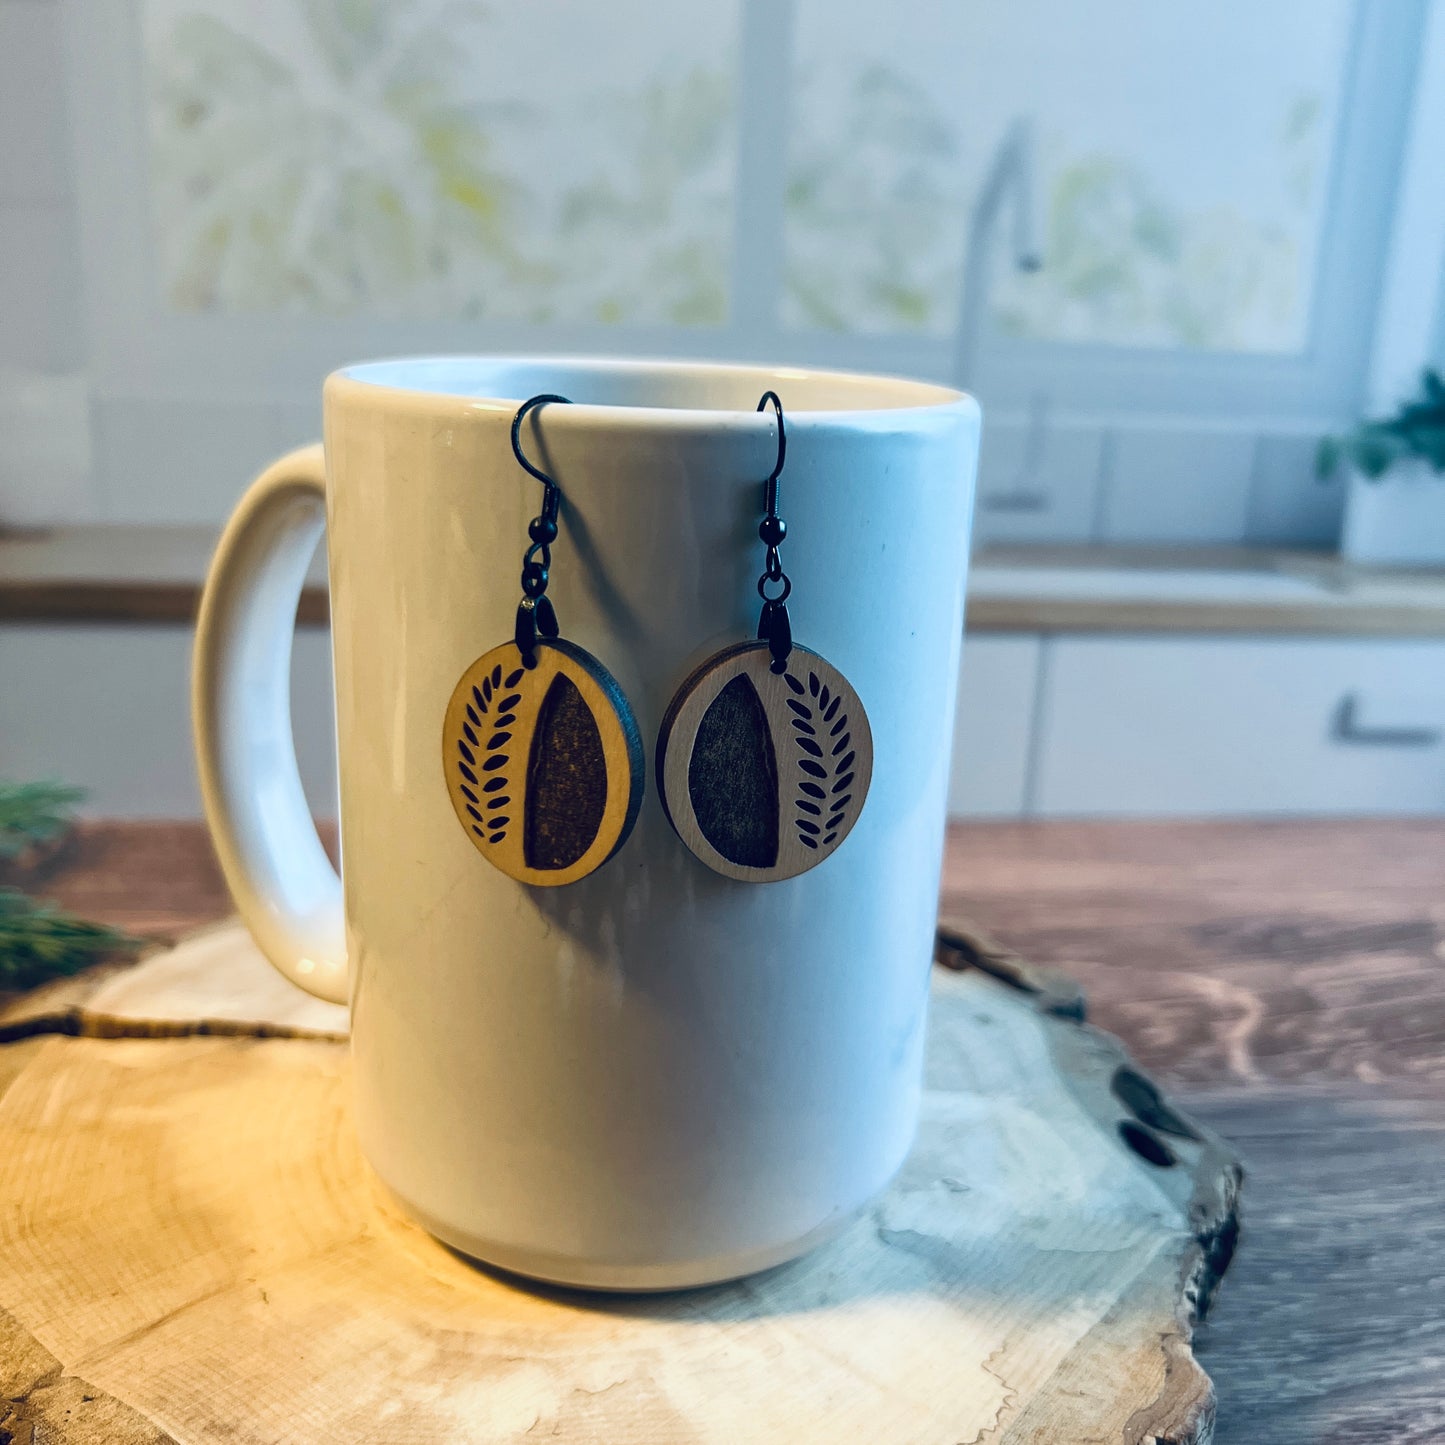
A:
{"x":280,"y":878}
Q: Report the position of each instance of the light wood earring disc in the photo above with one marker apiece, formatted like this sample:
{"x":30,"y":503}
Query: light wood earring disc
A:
{"x":543,"y":764}
{"x":763,"y":774}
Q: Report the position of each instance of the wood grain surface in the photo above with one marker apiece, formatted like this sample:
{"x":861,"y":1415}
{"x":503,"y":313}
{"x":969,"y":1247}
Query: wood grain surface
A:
{"x":187,"y":1224}
{"x":1286,"y":980}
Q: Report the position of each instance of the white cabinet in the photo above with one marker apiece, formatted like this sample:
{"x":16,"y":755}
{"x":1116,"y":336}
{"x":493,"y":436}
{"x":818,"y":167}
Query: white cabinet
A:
{"x":1169,"y":724}
{"x":107,"y":707}
{"x":1196,"y":725}
{"x":993,"y":733}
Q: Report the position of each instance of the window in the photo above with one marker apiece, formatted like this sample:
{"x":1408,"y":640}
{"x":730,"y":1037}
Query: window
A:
{"x":270,"y":188}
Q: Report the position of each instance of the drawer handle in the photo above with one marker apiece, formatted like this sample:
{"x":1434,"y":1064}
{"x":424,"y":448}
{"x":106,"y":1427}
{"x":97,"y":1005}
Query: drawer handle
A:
{"x":1347,"y":729}
{"x":1020,"y":501}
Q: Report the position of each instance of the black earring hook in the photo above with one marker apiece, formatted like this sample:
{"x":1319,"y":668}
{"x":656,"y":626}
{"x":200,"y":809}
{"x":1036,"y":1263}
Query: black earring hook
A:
{"x":773,"y":625}
{"x":535,"y":613}
{"x":771,"y":485}
{"x":552,"y":496}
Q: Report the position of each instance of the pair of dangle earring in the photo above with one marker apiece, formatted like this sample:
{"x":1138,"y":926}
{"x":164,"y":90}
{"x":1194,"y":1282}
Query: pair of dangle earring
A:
{"x":763,"y":759}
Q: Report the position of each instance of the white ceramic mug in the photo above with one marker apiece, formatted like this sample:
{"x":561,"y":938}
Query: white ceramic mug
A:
{"x":656,"y":1076}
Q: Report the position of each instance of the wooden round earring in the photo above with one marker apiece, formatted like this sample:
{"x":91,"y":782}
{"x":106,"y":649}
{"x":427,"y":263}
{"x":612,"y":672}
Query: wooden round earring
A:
{"x":765,"y":755}
{"x":541,"y":752}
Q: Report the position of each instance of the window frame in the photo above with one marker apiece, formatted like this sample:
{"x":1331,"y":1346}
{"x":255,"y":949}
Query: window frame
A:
{"x":1410,"y":323}
{"x":136,"y":346}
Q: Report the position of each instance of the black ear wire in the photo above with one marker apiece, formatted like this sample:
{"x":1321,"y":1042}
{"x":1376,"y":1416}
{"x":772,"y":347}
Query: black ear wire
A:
{"x":535,"y":613}
{"x":764,"y":755}
{"x":541,"y":750}
{"x":774,"y":627}
{"x":771,"y":398}
{"x":531,"y":405}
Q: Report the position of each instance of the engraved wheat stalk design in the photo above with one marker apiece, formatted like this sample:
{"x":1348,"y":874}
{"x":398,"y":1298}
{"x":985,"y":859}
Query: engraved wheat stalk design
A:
{"x":484,"y":784}
{"x":825,"y":761}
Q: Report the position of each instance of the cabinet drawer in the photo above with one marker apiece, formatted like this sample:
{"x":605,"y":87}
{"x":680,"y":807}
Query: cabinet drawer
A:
{"x":1205,"y":725}
{"x":993,"y":729}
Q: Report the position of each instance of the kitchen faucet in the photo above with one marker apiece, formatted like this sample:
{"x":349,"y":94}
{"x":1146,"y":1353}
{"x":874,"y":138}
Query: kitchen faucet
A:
{"x":1013,"y":175}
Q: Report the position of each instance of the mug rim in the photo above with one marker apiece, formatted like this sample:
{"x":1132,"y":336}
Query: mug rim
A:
{"x":898,"y":397}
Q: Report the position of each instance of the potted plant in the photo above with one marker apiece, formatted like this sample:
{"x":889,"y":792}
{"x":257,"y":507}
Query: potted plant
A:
{"x":1395,"y":509}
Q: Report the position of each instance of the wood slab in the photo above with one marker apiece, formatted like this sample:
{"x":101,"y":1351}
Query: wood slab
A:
{"x":215,"y":982}
{"x":191,"y":1248}
{"x":1283,"y":977}
{"x":1287,"y":979}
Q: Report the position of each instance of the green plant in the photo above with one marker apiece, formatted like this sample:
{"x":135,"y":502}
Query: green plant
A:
{"x":1417,"y":430}
{"x":33,"y":814}
{"x":37,"y":940}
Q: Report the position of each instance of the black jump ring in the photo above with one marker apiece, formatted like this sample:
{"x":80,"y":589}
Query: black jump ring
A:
{"x":783,"y":595}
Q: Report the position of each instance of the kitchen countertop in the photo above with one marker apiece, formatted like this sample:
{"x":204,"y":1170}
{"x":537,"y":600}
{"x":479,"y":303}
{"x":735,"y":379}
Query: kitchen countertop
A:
{"x":1197,"y":589}
{"x":1285,"y":981}
{"x":153,"y":575}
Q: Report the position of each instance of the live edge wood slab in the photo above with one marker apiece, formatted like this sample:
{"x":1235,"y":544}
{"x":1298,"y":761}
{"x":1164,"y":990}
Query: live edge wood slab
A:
{"x":190,"y":1248}
{"x":190,"y":1235}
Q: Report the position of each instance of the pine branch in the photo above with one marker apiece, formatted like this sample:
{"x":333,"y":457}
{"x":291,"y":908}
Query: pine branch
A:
{"x":33,"y":814}
{"x":39,"y":942}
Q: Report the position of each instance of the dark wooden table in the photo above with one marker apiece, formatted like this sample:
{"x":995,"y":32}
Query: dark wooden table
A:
{"x":1285,"y":980}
